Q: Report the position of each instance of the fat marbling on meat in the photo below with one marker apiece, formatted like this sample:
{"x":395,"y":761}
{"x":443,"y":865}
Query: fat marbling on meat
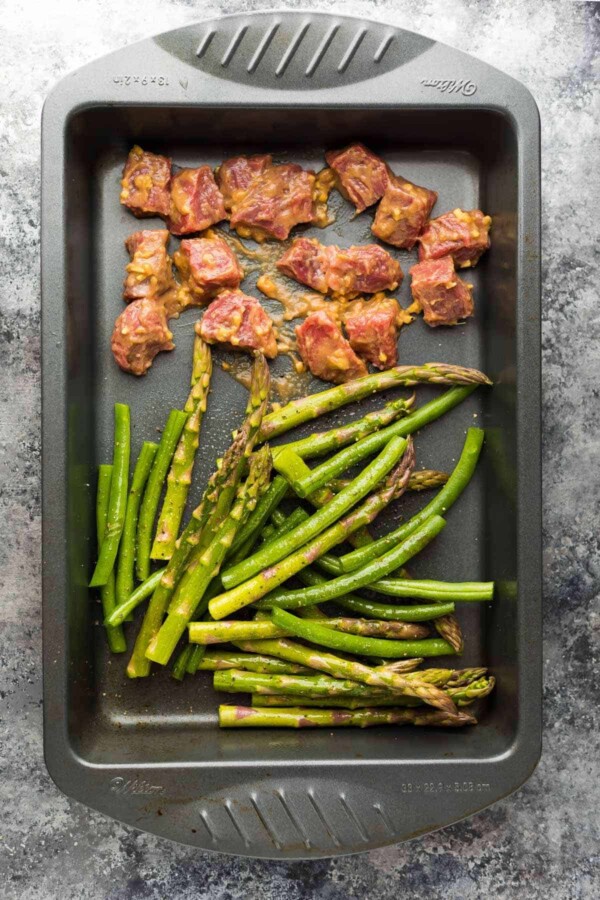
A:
{"x":403,"y":212}
{"x":206,"y":266}
{"x":361,"y":269}
{"x":196,"y":201}
{"x":460,"y":234}
{"x":238,"y":320}
{"x":146,"y":182}
{"x":372,"y":329}
{"x":444,"y":297}
{"x":362,"y":176}
{"x":325,"y":350}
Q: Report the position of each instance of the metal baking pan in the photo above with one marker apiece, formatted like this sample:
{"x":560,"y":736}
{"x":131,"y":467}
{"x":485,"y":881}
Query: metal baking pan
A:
{"x":150,"y":754}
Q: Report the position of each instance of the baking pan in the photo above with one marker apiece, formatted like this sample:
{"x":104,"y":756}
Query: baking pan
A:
{"x":150,"y":753}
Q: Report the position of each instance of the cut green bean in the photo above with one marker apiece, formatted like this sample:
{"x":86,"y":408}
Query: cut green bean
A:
{"x":389,"y":611}
{"x":151,"y":498}
{"x":141,"y":593}
{"x":126,"y":562}
{"x":114,"y":634}
{"x":319,"y":521}
{"x":455,"y":591}
{"x":338,"y":587}
{"x":367,"y":446}
{"x":361,"y":646}
{"x":117,"y":501}
{"x":441,"y":503}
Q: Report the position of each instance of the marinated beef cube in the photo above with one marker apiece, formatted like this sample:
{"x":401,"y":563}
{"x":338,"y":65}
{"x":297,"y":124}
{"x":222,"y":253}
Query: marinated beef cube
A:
{"x":325,"y":350}
{"x":362,"y":270}
{"x":403,"y":213}
{"x":207,"y":265}
{"x":307,"y":261}
{"x":140,"y":332}
{"x":444,"y":297}
{"x":346,"y":272}
{"x":145,"y":186}
{"x":362,"y":176}
{"x":196,"y":201}
{"x":462,"y":235}
{"x":235,"y":176}
{"x":150,"y":272}
{"x":372,"y":329}
{"x":236,"y":319}
{"x":274,"y":203}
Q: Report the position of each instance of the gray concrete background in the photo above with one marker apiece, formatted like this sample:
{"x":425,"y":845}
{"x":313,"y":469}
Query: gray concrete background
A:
{"x":541,"y":842}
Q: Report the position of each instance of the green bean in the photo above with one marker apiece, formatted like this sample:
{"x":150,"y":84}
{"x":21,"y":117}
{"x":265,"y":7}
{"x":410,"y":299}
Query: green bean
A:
{"x":126,"y":561}
{"x":455,"y":591}
{"x":367,"y":446}
{"x":117,"y":502}
{"x":114,"y":636}
{"x":319,"y":521}
{"x":340,"y":586}
{"x":421,"y":613}
{"x":441,"y":503}
{"x":151,"y":499}
{"x":311,"y":631}
{"x":141,"y":593}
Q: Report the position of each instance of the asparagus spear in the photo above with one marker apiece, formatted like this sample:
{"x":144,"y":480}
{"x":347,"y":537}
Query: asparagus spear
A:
{"x":114,"y":633}
{"x":180,"y":475}
{"x":352,"y":643}
{"x":222,"y":632}
{"x":340,"y":586}
{"x":216,"y":660}
{"x":234,"y":681}
{"x":423,"y":480}
{"x":324,"y":442}
{"x":383,"y":677}
{"x":205,"y":563}
{"x":151,"y":498}
{"x":269,"y":502}
{"x":476,"y":690}
{"x":314,"y":405}
{"x":462,"y":696}
{"x":256,"y":717}
{"x":306,"y":481}
{"x":266,"y":581}
{"x":205,"y":516}
{"x":362,"y":485}
{"x":117,"y":500}
{"x":440,"y":504}
{"x":461,"y":677}
{"x":126,"y":562}
{"x":449,"y":629}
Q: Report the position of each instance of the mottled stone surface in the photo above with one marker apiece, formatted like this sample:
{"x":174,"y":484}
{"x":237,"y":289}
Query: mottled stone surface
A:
{"x":544,"y":840}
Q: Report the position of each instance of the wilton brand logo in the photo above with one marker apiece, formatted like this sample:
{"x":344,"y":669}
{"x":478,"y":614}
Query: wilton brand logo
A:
{"x":137,"y":786}
{"x":451,"y":85}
